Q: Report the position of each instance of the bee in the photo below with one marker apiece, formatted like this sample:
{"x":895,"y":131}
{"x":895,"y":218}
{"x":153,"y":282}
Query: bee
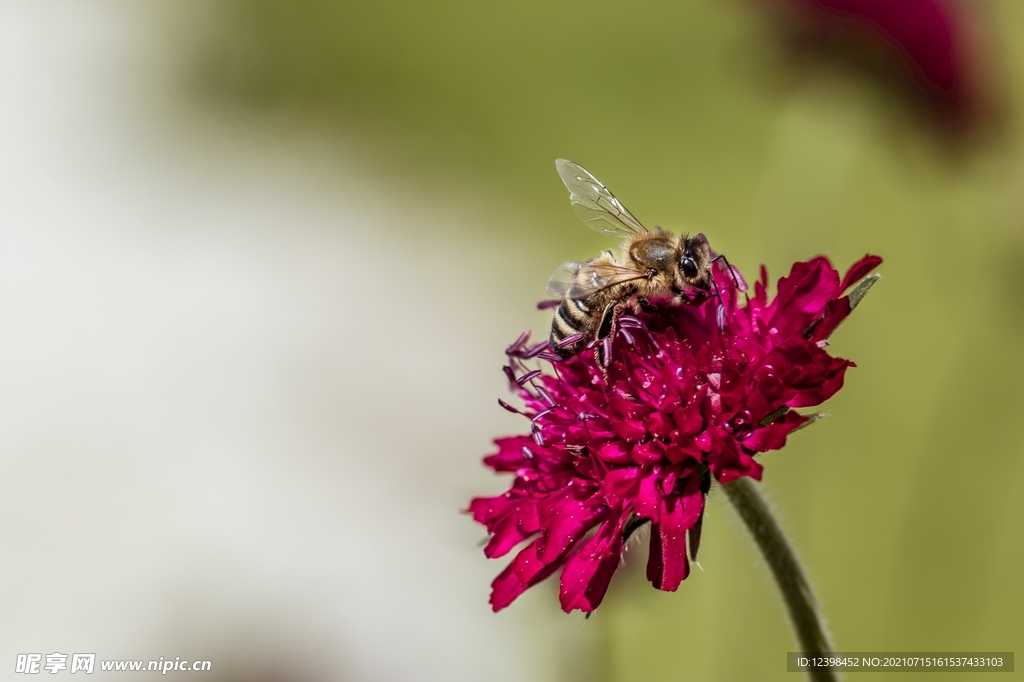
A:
{"x":654,"y":263}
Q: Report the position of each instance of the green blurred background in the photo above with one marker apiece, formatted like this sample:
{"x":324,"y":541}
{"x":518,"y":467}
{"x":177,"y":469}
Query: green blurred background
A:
{"x":907,"y":503}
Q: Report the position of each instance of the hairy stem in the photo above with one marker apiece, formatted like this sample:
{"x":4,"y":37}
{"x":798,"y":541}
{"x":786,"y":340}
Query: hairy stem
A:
{"x":755,"y":513}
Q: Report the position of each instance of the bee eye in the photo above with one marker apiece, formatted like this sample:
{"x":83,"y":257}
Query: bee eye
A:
{"x":688,"y":267}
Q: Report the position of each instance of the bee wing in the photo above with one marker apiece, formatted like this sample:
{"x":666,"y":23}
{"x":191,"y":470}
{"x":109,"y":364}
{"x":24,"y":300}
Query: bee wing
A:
{"x":580,"y":280}
{"x":561,"y":280}
{"x":594,"y":204}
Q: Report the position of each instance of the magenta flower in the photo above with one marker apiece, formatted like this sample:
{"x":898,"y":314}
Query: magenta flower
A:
{"x":680,"y":402}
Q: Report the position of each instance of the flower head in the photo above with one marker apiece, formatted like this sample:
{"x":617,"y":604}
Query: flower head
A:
{"x":681,"y":401}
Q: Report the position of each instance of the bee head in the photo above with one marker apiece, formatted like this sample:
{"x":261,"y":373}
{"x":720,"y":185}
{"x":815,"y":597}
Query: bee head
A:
{"x":695,"y":261}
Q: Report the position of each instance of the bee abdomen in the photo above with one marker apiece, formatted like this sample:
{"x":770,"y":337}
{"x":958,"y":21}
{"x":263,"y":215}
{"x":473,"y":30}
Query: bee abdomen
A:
{"x":572,"y":317}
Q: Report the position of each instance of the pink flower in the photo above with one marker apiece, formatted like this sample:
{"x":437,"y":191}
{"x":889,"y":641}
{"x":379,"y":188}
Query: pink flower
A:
{"x":679,"y":403}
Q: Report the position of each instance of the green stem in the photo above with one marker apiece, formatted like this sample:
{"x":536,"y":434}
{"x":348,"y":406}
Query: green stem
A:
{"x":755,"y":513}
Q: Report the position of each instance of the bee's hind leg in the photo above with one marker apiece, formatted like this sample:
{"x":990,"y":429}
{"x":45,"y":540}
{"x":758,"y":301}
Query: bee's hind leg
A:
{"x":607,"y":326}
{"x":605,"y":332}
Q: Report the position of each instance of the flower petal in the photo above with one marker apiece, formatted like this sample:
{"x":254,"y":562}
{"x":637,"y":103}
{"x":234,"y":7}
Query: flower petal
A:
{"x":523,"y":572}
{"x":631,"y":430}
{"x":616,"y":452}
{"x":858,"y":270}
{"x":619,"y":484}
{"x":802,"y":296}
{"x":732,"y":462}
{"x":648,"y":498}
{"x":667,"y":564}
{"x":488,"y":510}
{"x":648,"y":453}
{"x":505,"y":588}
{"x":773,"y":436}
{"x":807,"y":374}
{"x":587,"y":573}
{"x":836,"y":310}
{"x":510,"y":453}
{"x":564,"y":520}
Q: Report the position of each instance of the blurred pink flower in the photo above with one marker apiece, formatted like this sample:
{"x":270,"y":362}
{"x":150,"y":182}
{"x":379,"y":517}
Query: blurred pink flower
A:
{"x":681,"y":402}
{"x":924,"y":49}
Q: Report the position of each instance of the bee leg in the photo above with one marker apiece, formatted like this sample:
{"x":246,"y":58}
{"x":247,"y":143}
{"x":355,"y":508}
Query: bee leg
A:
{"x":605,"y":332}
{"x":607,"y":326}
{"x":603,"y":355}
{"x":645,"y":305}
{"x":741,"y":285}
{"x":721,"y":306}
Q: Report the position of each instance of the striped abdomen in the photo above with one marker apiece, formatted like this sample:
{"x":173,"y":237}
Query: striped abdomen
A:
{"x":572,"y":316}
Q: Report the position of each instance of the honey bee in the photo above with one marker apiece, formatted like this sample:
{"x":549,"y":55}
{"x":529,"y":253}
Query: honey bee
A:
{"x":654,"y":263}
